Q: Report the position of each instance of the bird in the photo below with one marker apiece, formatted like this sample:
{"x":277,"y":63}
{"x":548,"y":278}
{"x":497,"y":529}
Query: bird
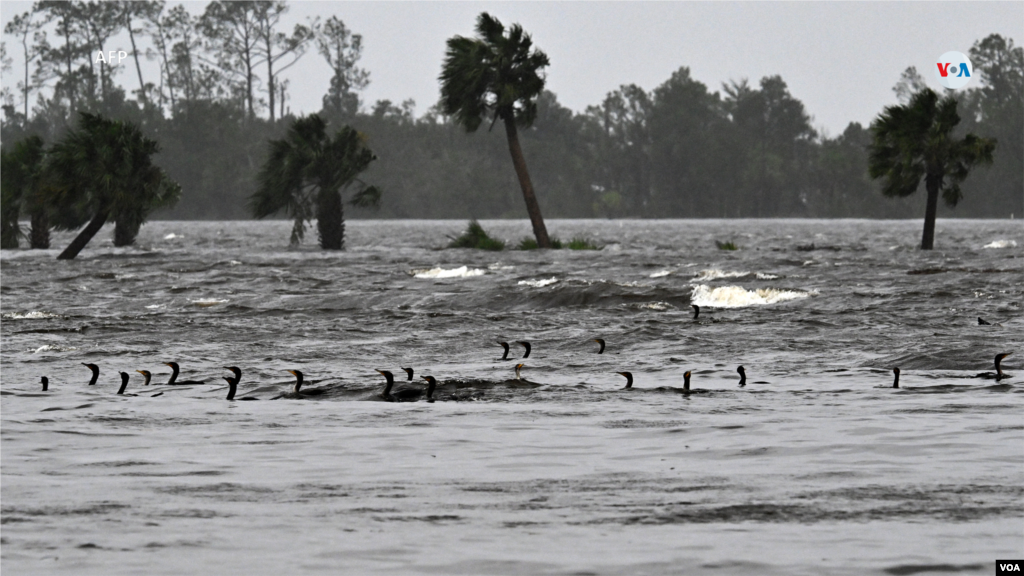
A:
{"x":982,"y":322}
{"x":518,"y":368}
{"x":696,"y":311}
{"x":400,"y":395}
{"x":525,"y":345}
{"x":408,"y":371}
{"x":174,"y":376}
{"x":743,"y":376}
{"x":431,"y":384}
{"x":46,"y":383}
{"x":998,"y":374}
{"x":629,"y":379}
{"x":147,"y":374}
{"x":601,"y":342}
{"x":95,"y":372}
{"x":686,"y":383}
{"x":298,"y":386}
{"x":124,"y":384}
{"x":233,"y":383}
{"x":896,"y":382}
{"x":505,"y":346}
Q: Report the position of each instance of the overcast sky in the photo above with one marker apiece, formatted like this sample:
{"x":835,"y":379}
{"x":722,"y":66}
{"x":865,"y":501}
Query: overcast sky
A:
{"x":840,"y":59}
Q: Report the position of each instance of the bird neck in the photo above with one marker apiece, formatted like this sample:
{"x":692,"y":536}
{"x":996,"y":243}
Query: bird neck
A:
{"x":232,"y":388}
{"x":174,"y":375}
{"x":124,"y":385}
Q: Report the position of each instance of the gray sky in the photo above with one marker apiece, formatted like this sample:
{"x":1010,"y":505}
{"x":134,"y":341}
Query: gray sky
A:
{"x":840,"y":58}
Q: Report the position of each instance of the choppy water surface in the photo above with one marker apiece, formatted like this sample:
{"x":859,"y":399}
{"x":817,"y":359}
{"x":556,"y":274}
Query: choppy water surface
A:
{"x":817,"y":466}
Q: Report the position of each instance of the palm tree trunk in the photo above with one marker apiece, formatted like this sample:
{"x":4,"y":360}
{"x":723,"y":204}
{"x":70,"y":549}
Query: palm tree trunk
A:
{"x":932,"y":185}
{"x":83,"y":237}
{"x":125,"y":233}
{"x":532,"y":208}
{"x":330,"y":222}
{"x":39,"y":237}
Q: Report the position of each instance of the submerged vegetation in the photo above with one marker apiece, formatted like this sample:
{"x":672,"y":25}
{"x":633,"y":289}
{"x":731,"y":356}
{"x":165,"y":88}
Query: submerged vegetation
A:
{"x":727,"y":245}
{"x":476,"y":237}
{"x":577,"y":243}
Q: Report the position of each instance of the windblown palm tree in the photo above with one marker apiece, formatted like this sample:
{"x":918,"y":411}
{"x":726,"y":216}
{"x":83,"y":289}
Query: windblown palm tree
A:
{"x":915,"y":141}
{"x":21,"y":173}
{"x":305,"y":175}
{"x":103,"y":170}
{"x":496,"y":76}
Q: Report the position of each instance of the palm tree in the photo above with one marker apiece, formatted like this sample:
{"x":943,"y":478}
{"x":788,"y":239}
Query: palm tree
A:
{"x":103,"y":170}
{"x":916,"y":141}
{"x":305,"y":174}
{"x":22,"y":185}
{"x":496,"y":75}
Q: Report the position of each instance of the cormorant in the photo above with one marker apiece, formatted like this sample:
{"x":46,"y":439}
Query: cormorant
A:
{"x":147,"y":374}
{"x":174,"y":376}
{"x":298,"y":386}
{"x":124,"y":384}
{"x":743,"y":376}
{"x":601,"y":342}
{"x":896,"y":382}
{"x":46,"y":383}
{"x":431,"y":384}
{"x":95,"y":372}
{"x":525,"y":345}
{"x":629,"y":379}
{"x":518,"y":368}
{"x":998,"y":374}
{"x":696,"y":311}
{"x":233,"y":383}
{"x":400,"y":395}
{"x":505,"y":346}
{"x":409,"y":372}
{"x":983,"y":322}
{"x":686,"y":382}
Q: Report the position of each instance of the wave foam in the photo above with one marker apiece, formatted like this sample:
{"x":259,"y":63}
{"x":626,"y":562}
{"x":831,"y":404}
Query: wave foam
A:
{"x":1001,"y":244}
{"x":656,"y":306}
{"x":460,"y":272}
{"x":52,"y":348}
{"x":738,"y":297}
{"x":661,"y":273}
{"x":207,"y":302}
{"x":34,"y":315}
{"x":539,"y":283}
{"x":715,"y":274}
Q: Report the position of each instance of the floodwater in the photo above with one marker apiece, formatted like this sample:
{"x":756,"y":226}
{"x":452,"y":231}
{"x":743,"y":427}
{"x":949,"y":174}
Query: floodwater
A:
{"x":816,"y":466}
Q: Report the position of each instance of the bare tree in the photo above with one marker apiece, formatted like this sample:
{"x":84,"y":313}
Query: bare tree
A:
{"x":273,"y":46}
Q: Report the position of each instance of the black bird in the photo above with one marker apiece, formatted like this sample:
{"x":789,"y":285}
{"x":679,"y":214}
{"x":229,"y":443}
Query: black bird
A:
{"x":629,"y":379}
{"x":743,"y":376}
{"x":400,"y":395}
{"x":174,"y":376}
{"x":998,"y":374}
{"x":896,"y":382}
{"x":686,"y":382}
{"x":983,"y":322}
{"x":431,"y":384}
{"x":95,"y":372}
{"x":46,"y":383}
{"x":505,"y":346}
{"x":601,"y":342}
{"x":525,"y":345}
{"x":124,"y":384}
{"x":696,"y":311}
{"x":298,"y":386}
{"x":409,"y":372}
{"x":233,"y":383}
{"x":147,"y":374}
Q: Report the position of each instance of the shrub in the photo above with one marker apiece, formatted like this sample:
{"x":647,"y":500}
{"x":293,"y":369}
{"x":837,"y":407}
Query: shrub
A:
{"x":476,"y":237}
{"x":730,"y":245}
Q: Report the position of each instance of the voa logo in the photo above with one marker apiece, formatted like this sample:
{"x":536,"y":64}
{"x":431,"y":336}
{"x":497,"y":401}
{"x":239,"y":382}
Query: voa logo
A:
{"x":954,"y":70}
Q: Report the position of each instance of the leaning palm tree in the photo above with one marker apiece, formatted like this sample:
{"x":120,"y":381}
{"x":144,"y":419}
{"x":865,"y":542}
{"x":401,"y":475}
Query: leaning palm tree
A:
{"x":21,"y":185}
{"x":496,"y":76}
{"x":103,"y":170}
{"x":305,"y":175}
{"x":916,"y":141}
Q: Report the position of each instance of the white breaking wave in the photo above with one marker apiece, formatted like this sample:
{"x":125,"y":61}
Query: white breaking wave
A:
{"x":656,"y":305}
{"x":761,"y":276}
{"x":539,"y":283}
{"x":500,"y":266}
{"x":207,"y":302}
{"x":738,"y":297}
{"x":661,"y":273}
{"x":715,"y":274}
{"x":460,"y":272}
{"x":1001,"y":244}
{"x":172,"y":236}
{"x":52,"y":348}
{"x":34,"y":315}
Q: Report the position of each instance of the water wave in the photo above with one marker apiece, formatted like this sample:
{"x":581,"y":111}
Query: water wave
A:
{"x":715,"y":274}
{"x":1001,"y":244}
{"x":33,"y":315}
{"x":460,"y":272}
{"x":539,"y":283}
{"x":661,"y":273}
{"x":738,"y":297}
{"x":207,"y":302}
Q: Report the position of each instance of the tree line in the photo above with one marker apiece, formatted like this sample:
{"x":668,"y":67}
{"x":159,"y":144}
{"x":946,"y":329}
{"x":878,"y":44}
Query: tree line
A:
{"x":683,"y":149}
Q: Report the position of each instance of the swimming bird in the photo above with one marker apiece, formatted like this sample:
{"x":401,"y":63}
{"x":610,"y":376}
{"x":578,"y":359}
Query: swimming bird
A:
{"x":174,"y":376}
{"x":298,"y":386}
{"x":998,"y":374}
{"x":95,"y":372}
{"x":686,"y":382}
{"x":601,"y":342}
{"x":896,"y":382}
{"x":743,"y":376}
{"x":409,"y":372}
{"x":233,"y":383}
{"x":983,"y":322}
{"x":147,"y":374}
{"x":505,"y":346}
{"x":525,"y":345}
{"x":124,"y":384}
{"x":46,"y":383}
{"x":431,"y":384}
{"x":400,"y":395}
{"x":629,"y":379}
{"x":518,"y":368}
{"x":696,"y":311}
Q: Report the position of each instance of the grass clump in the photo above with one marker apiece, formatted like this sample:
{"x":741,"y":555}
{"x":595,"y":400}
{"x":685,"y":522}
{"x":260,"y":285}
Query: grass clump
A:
{"x":578,"y":243}
{"x":476,"y":237}
{"x":581,"y":243}
{"x":729,"y":245}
